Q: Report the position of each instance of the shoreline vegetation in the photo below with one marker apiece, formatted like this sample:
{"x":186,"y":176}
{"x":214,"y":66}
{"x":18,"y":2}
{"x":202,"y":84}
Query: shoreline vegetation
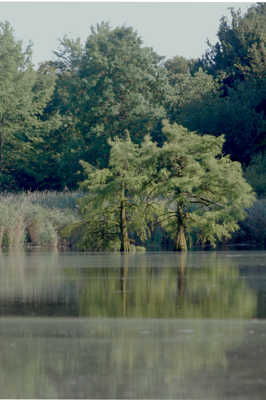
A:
{"x":36,"y":218}
{"x":52,"y":220}
{"x":111,"y":147}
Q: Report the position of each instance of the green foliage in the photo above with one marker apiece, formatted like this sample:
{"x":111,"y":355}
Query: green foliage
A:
{"x":240,"y":52}
{"x":235,"y":86}
{"x":198,"y":106}
{"x":61,"y":142}
{"x":178,"y":65}
{"x":203,"y":190}
{"x":23,"y":93}
{"x":192,"y":97}
{"x":124,"y":185}
{"x":255,"y":174}
{"x":93,"y":234}
{"x":79,"y":108}
{"x":187,"y":184}
{"x":110,"y":85}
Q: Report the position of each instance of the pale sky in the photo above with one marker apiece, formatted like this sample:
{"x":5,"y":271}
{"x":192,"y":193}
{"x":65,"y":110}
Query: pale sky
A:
{"x":172,"y":28}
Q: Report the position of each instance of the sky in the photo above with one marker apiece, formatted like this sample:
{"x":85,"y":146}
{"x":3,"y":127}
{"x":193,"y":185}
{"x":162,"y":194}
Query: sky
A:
{"x":171,"y":28}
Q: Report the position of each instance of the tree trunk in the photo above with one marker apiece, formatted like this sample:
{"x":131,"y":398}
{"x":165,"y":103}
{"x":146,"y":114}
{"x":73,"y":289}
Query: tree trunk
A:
{"x":180,"y":242}
{"x":123,"y":223}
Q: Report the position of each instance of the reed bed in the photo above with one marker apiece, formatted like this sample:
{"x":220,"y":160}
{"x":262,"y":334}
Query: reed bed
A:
{"x":36,"y":218}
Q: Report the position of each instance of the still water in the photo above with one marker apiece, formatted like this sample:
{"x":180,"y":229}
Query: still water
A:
{"x":149,"y":325}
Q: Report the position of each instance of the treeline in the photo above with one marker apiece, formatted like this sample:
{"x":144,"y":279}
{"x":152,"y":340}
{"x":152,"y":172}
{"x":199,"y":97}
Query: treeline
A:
{"x":68,"y":109}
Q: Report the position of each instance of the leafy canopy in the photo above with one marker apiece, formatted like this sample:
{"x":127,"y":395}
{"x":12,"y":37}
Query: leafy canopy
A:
{"x":125,"y":183}
{"x":194,"y":175}
{"x":240,"y":51}
{"x":111,"y":84}
{"x":24,"y":93}
{"x":187,"y":183}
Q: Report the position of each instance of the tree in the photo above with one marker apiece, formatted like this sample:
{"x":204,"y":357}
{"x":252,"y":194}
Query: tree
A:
{"x":117,"y":200}
{"x":192,"y":96}
{"x":240,"y":51}
{"x":232,"y":84}
{"x":198,"y":106}
{"x":237,"y":63}
{"x":203,"y":190}
{"x":188,"y":185}
{"x":23,"y":96}
{"x":55,"y":153}
{"x":111,"y":84}
{"x":181,"y":65}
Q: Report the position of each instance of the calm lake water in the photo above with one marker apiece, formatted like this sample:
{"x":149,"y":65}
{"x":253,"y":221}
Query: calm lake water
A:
{"x":149,"y":325}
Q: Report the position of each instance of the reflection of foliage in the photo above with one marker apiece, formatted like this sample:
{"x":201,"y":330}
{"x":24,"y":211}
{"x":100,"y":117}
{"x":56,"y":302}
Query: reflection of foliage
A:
{"x":207,"y":292}
{"x":34,"y":283}
{"x":139,"y":286}
{"x":101,"y":358}
{"x":114,"y":358}
{"x":217,"y":293}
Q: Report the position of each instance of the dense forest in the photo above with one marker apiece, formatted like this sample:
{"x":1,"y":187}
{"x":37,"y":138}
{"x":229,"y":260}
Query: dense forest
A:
{"x":111,"y":104}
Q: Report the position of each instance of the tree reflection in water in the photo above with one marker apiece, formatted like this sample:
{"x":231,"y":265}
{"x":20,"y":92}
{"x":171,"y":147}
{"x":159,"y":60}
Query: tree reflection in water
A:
{"x":145,"y":331}
{"x":215,"y":290}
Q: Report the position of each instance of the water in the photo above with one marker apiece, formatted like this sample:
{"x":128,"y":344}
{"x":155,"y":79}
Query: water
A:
{"x":161,"y":325}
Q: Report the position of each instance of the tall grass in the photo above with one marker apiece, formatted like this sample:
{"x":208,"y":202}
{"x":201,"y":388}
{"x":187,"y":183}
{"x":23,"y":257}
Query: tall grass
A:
{"x":35,"y":218}
{"x":55,"y":200}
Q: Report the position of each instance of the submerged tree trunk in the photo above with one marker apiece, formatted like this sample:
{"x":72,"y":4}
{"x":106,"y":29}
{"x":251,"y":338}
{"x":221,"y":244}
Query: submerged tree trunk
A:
{"x":123,"y":223}
{"x":180,"y":241}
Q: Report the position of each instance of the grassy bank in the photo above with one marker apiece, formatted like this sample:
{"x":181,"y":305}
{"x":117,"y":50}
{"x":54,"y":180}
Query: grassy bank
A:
{"x":35,"y":218}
